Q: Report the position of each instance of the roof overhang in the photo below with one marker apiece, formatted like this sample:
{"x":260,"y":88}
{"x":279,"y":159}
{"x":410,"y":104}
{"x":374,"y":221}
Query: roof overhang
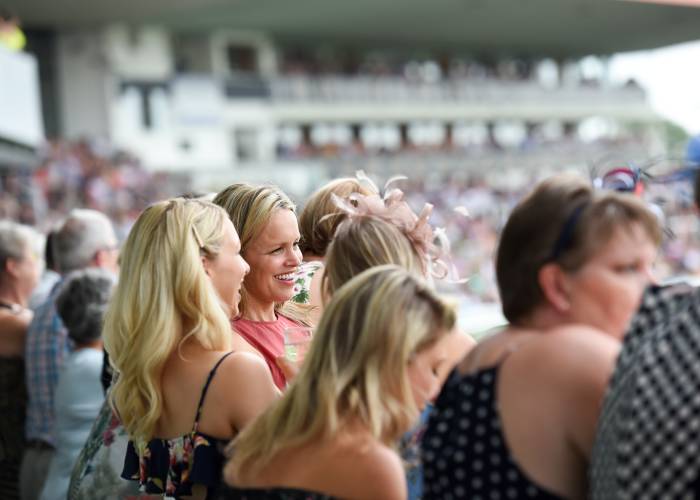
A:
{"x":557,"y":28}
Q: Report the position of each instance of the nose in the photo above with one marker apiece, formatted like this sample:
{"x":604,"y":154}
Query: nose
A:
{"x":294,"y":258}
{"x":246,"y":267}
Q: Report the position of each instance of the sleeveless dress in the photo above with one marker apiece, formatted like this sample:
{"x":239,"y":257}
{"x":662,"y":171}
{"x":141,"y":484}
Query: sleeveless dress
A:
{"x":232,"y":493}
{"x":173,"y":466}
{"x":465,"y":454}
{"x":268,"y":339}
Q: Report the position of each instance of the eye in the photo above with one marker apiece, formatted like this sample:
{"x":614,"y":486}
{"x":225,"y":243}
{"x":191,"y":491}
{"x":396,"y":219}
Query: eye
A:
{"x":276,"y":251}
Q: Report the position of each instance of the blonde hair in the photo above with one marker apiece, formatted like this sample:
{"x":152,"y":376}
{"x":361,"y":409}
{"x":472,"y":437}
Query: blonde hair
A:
{"x":365,"y":241}
{"x":356,"y":368}
{"x":250,"y":208}
{"x":563,"y":220}
{"x":320,"y":217}
{"x":163,"y":297}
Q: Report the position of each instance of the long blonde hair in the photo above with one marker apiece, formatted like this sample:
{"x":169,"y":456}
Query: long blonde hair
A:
{"x":250,"y":208}
{"x":355,"y":371}
{"x":163,"y":297}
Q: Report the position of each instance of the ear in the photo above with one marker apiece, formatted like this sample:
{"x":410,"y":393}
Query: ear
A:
{"x":11,"y":267}
{"x":554,"y":284}
{"x":206,"y":264}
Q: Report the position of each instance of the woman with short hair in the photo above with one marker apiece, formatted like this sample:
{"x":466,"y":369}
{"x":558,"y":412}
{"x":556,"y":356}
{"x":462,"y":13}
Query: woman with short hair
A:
{"x":517,"y":417}
{"x":80,"y":303}
{"x":20,"y":268}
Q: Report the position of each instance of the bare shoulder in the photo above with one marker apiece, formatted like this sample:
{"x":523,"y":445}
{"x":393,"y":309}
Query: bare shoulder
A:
{"x":572,"y":362}
{"x":248,"y":377}
{"x":379,"y":474}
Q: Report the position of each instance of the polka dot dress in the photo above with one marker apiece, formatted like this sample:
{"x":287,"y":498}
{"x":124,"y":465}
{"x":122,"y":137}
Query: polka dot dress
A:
{"x":464,"y":454}
{"x":648,"y":442}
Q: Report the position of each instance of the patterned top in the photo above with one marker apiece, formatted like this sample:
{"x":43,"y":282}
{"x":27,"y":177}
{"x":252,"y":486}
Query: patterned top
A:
{"x":464,"y":452}
{"x":47,"y":346}
{"x":302,"y":280}
{"x":268,"y":339}
{"x":172,"y":466}
{"x":229,"y":493}
{"x":649,"y":430}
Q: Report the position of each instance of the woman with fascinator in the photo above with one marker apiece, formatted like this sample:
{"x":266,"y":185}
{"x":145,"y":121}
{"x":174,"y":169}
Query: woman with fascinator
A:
{"x":517,"y":418}
{"x":318,"y":222}
{"x":379,"y":229}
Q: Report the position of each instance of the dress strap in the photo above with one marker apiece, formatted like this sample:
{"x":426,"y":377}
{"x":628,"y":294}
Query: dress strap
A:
{"x":206,"y":388}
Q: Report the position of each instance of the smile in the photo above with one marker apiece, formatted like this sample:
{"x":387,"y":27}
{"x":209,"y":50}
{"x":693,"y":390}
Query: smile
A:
{"x":285,"y":277}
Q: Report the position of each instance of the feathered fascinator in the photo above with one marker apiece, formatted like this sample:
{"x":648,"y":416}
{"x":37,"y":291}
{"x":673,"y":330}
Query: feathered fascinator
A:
{"x":431,"y":244}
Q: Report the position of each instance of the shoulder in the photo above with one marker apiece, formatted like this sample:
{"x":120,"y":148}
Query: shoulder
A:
{"x":568,"y":354}
{"x":243,"y":364}
{"x":378,"y":474}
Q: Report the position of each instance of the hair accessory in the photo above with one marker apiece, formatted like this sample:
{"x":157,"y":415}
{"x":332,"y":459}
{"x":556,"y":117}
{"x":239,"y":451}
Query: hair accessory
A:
{"x":567,"y":232}
{"x":197,"y":238}
{"x":431,"y":244}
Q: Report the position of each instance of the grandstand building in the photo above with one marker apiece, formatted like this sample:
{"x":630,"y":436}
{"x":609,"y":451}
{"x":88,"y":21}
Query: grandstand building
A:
{"x":299,"y":91}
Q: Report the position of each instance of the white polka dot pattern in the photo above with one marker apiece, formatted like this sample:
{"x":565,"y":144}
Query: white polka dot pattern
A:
{"x":464,"y":455}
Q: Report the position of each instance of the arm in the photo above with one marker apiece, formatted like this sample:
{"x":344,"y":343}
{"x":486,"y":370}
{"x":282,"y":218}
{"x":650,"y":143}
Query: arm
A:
{"x":251,"y":387}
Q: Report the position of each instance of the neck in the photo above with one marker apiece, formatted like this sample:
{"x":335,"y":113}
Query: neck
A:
{"x":542,"y":319}
{"x":10,"y":295}
{"x":257,"y":311}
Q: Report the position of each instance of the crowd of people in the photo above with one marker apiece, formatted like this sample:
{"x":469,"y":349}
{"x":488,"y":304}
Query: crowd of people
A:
{"x":163,"y":366}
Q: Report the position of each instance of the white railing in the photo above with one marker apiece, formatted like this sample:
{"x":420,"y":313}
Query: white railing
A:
{"x":383,"y":89}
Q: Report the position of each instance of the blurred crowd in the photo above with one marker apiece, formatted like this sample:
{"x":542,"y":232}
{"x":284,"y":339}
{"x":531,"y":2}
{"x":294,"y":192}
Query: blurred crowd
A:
{"x":94,"y":175}
{"x":83,"y":174}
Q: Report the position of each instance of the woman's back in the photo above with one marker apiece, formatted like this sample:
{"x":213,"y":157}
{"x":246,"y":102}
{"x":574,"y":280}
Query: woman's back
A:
{"x":207,"y":399}
{"x":534,"y":421}
{"x":346,"y":465}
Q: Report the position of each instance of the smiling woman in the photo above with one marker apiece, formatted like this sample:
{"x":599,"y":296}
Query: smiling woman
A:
{"x":266,"y":221}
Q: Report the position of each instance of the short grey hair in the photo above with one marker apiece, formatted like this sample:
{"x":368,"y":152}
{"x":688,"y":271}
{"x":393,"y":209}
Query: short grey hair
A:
{"x":80,"y":237}
{"x":14,"y":240}
{"x":82,"y":301}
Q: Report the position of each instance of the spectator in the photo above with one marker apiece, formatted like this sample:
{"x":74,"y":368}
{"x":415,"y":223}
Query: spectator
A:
{"x":647,"y":439}
{"x":85,"y":239}
{"x":80,"y":303}
{"x":170,"y":342}
{"x":49,"y":277}
{"x":368,"y":373}
{"x":269,"y":231}
{"x":571,"y":265}
{"x":317,"y":224}
{"x":19,"y":274}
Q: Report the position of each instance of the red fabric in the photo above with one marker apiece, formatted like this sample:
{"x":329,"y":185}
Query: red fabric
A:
{"x":268,"y":338}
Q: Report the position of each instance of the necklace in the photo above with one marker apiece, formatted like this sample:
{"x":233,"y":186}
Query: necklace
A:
{"x":13,"y":307}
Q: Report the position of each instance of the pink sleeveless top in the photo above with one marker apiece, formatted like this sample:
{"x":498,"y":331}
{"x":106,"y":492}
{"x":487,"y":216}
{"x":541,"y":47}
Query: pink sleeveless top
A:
{"x":268,"y":338}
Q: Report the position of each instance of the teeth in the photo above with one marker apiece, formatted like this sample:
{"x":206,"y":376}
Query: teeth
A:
{"x":285,"y":276}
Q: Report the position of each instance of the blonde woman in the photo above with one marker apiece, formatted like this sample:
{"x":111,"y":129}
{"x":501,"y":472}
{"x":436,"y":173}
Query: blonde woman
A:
{"x":184,"y":385}
{"x":368,"y":373}
{"x":266,"y":221}
{"x":518,"y":417}
{"x":376,"y":233}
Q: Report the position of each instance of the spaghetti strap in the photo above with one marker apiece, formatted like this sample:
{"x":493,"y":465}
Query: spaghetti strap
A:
{"x":206,"y":388}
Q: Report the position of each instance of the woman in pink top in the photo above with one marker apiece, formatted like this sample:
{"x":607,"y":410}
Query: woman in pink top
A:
{"x":267,"y":224}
